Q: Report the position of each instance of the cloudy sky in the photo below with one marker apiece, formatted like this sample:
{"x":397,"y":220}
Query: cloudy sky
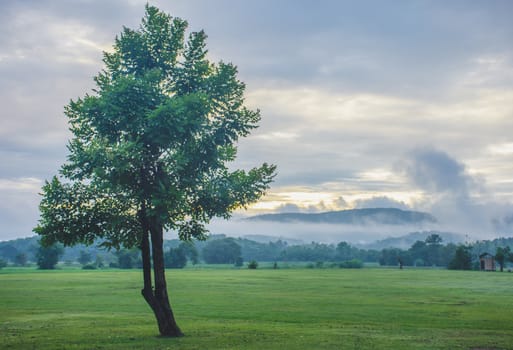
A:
{"x":404,"y":104}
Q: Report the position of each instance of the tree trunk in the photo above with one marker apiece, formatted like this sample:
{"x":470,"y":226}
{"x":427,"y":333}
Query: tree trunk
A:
{"x":157,"y":298}
{"x":164,"y":314}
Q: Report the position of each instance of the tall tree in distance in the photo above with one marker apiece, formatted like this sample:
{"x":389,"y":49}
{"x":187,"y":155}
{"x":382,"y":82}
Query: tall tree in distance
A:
{"x":462,"y":259}
{"x":502,"y":255}
{"x":84,"y":257}
{"x":150,"y":152}
{"x":47,"y":256}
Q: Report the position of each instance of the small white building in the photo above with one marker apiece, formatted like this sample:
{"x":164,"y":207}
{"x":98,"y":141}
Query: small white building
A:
{"x":486,"y":262}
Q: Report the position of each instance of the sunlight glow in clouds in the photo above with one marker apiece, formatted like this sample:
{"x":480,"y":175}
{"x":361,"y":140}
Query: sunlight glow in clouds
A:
{"x":502,"y":149}
{"x":302,"y":200}
{"x":315,"y":104}
{"x":27,"y":184}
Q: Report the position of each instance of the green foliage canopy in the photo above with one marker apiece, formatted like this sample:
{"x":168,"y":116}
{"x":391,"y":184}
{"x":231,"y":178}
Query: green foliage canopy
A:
{"x":152,"y":143}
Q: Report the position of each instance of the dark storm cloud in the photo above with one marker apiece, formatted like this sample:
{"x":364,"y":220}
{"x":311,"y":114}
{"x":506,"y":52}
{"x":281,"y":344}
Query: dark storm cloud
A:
{"x":435,"y":171}
{"x":458,"y":199}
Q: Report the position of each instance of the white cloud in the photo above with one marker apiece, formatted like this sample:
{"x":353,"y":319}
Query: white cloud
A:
{"x":278,"y":135}
{"x":28,"y":184}
{"x":501,"y":149}
{"x":18,"y":207}
{"x":381,"y":202}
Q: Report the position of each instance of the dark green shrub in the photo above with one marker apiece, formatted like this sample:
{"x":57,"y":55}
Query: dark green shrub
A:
{"x":252,"y":265}
{"x":351,"y":264}
{"x":89,"y":267}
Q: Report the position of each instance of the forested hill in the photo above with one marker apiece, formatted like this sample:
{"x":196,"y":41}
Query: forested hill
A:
{"x":385,"y":216}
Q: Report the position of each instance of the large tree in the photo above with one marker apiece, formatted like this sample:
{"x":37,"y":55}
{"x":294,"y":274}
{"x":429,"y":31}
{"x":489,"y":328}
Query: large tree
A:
{"x":150,"y":151}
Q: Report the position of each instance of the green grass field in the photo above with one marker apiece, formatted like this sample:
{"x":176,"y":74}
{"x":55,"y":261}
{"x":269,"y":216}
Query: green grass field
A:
{"x":369,"y":308}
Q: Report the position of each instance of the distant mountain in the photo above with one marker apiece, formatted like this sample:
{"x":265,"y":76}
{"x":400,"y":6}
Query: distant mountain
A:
{"x":384,"y":216}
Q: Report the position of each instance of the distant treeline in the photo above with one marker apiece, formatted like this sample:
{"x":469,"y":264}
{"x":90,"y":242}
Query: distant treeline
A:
{"x":219,"y":249}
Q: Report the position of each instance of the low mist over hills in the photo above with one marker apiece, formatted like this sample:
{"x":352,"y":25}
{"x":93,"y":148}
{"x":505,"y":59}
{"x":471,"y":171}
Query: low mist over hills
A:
{"x":406,"y":241}
{"x":383,"y":216}
{"x":358,"y":226}
{"x":403,"y":241}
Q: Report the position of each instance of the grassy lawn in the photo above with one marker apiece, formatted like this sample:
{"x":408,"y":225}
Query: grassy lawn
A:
{"x":369,"y":308}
